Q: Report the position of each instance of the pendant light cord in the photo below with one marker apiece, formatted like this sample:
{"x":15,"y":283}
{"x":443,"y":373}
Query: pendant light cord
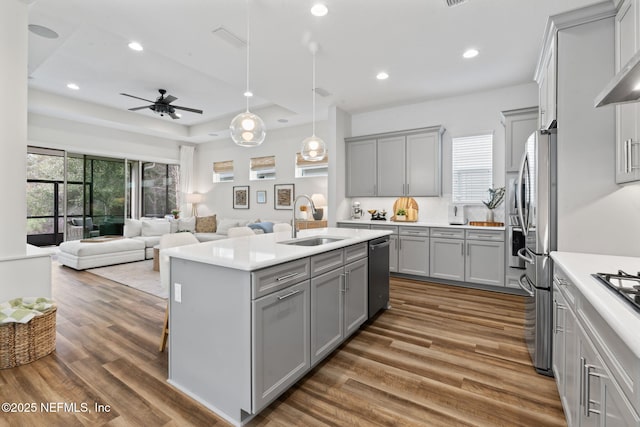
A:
{"x":248,"y":44}
{"x":313,"y":96}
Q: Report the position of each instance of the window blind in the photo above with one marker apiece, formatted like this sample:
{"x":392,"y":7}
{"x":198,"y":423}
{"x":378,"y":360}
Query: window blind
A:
{"x":263,"y":163}
{"x":472,"y":168}
{"x":301,"y":162}
{"x":223,"y":167}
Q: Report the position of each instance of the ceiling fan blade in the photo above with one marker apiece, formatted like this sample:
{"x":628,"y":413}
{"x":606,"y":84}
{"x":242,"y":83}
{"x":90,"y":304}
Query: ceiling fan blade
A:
{"x":193,"y":110}
{"x":137,"y":97}
{"x":174,"y":116}
{"x":168,"y":99}
{"x":140,"y":108}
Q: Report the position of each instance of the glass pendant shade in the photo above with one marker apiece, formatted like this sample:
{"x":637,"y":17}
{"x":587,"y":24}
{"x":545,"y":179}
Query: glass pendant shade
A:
{"x":247,"y":129}
{"x":313,"y":149}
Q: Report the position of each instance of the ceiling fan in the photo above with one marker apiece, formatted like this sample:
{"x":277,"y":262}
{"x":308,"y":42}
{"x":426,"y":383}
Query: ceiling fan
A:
{"x":162,"y":105}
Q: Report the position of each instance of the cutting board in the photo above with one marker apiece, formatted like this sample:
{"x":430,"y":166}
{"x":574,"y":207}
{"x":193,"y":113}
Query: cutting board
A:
{"x":408,"y":204}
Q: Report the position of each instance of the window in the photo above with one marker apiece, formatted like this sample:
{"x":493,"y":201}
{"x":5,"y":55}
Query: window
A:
{"x":262,"y":168}
{"x":223,"y":171}
{"x":159,"y":189}
{"x":306,"y":168}
{"x":472,"y":168}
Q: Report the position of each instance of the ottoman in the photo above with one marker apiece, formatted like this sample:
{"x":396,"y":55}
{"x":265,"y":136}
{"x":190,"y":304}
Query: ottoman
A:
{"x":82,"y":255}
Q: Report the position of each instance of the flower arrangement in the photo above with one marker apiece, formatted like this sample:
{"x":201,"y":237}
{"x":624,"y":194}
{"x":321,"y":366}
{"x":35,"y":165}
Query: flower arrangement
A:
{"x":496,"y":196}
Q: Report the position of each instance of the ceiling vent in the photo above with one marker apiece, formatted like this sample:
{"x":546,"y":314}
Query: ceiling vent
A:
{"x":451,"y":3}
{"x":322,"y":92}
{"x":226,"y":35}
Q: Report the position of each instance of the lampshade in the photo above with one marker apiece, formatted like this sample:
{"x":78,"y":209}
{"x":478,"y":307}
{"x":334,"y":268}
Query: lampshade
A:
{"x":247,"y":129}
{"x":313,"y":148}
{"x":193,"y":198}
{"x":318,"y":200}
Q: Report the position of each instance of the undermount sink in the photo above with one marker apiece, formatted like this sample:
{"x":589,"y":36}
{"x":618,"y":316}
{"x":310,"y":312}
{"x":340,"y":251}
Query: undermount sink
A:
{"x":312,"y":241}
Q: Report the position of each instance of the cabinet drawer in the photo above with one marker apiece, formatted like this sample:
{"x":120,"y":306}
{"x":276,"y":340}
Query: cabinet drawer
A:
{"x":352,"y":225}
{"x":355,"y":252}
{"x":392,"y":228}
{"x":271,"y":279}
{"x":447,"y":233}
{"x":565,"y":286}
{"x":494,"y":235}
{"x":414,"y":231}
{"x":327,"y":261}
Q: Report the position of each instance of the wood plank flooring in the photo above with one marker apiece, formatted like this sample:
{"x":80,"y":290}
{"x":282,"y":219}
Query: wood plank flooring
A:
{"x":442,"y":356}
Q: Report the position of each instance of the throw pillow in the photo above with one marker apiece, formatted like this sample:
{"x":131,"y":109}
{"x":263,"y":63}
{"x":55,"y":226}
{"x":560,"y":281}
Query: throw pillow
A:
{"x":266,"y":227}
{"x":132,"y":227}
{"x":187,"y":224}
{"x":155,"y":228}
{"x":206,"y":224}
{"x":225,"y":225}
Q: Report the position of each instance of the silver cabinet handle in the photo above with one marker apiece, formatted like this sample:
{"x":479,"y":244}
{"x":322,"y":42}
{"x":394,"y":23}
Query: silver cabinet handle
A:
{"x":627,"y":151}
{"x":286,"y":276}
{"x":346,"y":280}
{"x":290,"y":294}
{"x":468,"y":250}
{"x":558,"y":307}
{"x":343,"y":284}
{"x":462,"y":249}
{"x":583,"y":362}
{"x":587,"y":397}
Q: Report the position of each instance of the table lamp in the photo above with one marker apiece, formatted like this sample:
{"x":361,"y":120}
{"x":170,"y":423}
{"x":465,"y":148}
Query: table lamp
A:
{"x":194,"y":199}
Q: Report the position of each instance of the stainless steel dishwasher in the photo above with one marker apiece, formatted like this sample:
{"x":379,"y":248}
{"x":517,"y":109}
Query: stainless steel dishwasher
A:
{"x":378,"y":275}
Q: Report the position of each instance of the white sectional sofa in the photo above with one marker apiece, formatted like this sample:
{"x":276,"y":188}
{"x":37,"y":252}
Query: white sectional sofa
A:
{"x":141,"y":235}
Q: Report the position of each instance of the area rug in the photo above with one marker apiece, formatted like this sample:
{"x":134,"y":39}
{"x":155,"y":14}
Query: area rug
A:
{"x":138,"y":275}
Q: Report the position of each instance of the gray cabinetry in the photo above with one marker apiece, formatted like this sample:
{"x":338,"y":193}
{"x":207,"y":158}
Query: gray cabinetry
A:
{"x":356,"y":295}
{"x":518,"y":124}
{"x":327,"y":313}
{"x":281,"y":317}
{"x":352,"y":225}
{"x":360,"y":168}
{"x":484,"y":263}
{"x":446,"y":254}
{"x":627,"y":34}
{"x":413,"y":254}
{"x":407,"y":163}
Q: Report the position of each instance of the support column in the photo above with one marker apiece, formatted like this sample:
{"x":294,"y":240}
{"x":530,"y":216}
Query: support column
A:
{"x":13,"y":126}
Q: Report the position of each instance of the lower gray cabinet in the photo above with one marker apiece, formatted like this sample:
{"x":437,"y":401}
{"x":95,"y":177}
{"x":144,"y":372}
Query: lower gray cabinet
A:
{"x":327,"y":313}
{"x":283,"y":318}
{"x":484,"y":263}
{"x":356,"y":295}
{"x":447,"y":258}
{"x":393,"y":253}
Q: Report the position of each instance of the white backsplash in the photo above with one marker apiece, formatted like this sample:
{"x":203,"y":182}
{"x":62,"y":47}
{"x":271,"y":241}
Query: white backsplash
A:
{"x":430,"y":209}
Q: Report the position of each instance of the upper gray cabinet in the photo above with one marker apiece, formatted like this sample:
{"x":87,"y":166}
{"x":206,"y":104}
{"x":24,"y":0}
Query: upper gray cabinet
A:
{"x":627,"y":43}
{"x":360,"y":170}
{"x":518,"y":125}
{"x":407,"y":163}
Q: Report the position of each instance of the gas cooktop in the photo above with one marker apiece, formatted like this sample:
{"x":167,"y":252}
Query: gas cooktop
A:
{"x":625,"y":285}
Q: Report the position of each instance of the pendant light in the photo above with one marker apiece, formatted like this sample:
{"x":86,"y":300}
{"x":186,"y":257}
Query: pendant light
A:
{"x":313,"y":148}
{"x":247,"y":129}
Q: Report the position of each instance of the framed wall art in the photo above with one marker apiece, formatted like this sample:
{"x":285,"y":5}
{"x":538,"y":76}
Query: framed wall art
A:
{"x":241,"y":197}
{"x":261,"y":196}
{"x":283,"y":196}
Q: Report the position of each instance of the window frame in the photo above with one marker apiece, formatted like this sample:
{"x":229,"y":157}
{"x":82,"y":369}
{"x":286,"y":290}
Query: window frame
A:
{"x":472,"y":196}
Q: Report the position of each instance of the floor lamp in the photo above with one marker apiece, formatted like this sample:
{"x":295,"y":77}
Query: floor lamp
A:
{"x":194,"y":199}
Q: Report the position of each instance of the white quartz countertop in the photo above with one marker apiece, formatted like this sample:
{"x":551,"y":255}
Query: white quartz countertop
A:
{"x":264,"y":250}
{"x":418,"y":224}
{"x":623,"y":318}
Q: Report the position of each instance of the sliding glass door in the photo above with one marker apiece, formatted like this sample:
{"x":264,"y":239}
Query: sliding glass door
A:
{"x":104,"y":196}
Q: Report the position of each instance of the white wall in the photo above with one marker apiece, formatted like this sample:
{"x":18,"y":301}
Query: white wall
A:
{"x":460,"y":115}
{"x":339,"y":128}
{"x":83,"y":138}
{"x":282,"y":143}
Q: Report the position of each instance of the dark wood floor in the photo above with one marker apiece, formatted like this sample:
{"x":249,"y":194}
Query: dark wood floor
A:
{"x":442,"y":356}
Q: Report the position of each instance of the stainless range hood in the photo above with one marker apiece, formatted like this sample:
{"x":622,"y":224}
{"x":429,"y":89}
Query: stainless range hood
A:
{"x":624,"y":87}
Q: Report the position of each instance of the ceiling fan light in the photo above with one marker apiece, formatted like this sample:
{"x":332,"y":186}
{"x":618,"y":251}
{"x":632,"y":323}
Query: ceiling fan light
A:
{"x":313,"y":149}
{"x":247,"y":130}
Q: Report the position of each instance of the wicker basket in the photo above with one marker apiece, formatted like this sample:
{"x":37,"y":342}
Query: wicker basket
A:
{"x":22,"y":343}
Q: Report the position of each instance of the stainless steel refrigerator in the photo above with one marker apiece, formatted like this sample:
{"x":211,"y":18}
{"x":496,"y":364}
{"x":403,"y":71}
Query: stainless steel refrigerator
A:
{"x":537,"y":209}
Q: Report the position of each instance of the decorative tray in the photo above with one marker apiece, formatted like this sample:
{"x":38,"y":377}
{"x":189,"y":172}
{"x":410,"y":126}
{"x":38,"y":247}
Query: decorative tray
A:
{"x":486,"y":224}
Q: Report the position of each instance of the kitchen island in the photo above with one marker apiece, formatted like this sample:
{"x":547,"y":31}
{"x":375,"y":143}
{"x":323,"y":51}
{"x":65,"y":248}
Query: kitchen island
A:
{"x":251,"y":315}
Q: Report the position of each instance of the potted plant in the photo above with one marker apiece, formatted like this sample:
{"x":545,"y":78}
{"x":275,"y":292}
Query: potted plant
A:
{"x":401,"y":215}
{"x":496,"y":196}
{"x":175,"y":213}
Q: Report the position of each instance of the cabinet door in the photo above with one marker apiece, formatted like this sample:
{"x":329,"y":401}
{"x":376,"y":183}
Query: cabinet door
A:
{"x":485,"y":262}
{"x":518,"y":127}
{"x":590,"y":384}
{"x":617,"y":410}
{"x":423,"y":165}
{"x":327,"y":313}
{"x":391,"y":166}
{"x":558,"y":363}
{"x":283,"y":318}
{"x":393,"y":253}
{"x":627,"y":123}
{"x":360,"y":168}
{"x":413,"y":256}
{"x":550,"y":77}
{"x":356,"y":296}
{"x":447,"y":258}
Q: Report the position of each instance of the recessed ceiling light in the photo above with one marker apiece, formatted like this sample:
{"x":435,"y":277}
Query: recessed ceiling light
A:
{"x":382,"y":76}
{"x":73,"y":86}
{"x":213,"y":134}
{"x":136,"y":46}
{"x":283,"y":120}
{"x":470,"y":53}
{"x":319,"y":9}
{"x":248,"y":94}
{"x":43,"y":31}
